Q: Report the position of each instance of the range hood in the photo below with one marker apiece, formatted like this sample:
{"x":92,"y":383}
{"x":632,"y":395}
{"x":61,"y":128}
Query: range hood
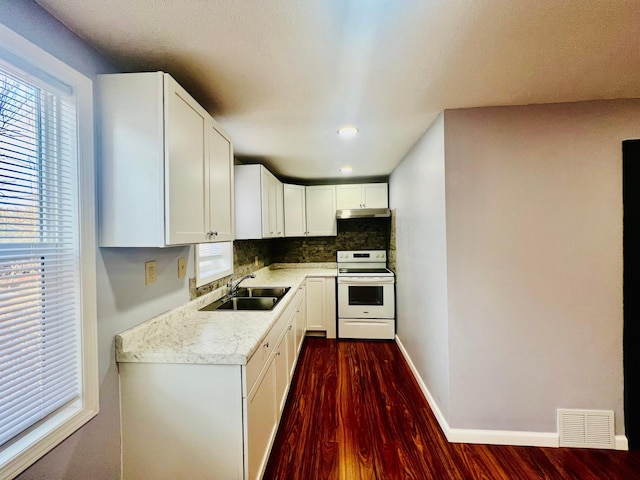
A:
{"x":363,"y":213}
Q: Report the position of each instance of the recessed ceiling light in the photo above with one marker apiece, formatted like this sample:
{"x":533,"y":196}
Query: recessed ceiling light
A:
{"x":346,"y":170}
{"x":348,"y":131}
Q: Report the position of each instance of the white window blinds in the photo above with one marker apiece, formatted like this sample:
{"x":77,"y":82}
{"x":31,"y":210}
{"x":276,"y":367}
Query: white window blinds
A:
{"x":40,"y":358}
{"x":213,"y":261}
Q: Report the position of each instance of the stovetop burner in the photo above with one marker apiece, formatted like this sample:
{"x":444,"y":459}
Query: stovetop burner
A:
{"x":364,"y":270}
{"x":363,"y":263}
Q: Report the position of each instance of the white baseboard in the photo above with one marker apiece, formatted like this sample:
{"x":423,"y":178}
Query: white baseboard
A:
{"x":430,"y":400}
{"x":622,"y":443}
{"x":504,"y":437}
{"x":492,"y":437}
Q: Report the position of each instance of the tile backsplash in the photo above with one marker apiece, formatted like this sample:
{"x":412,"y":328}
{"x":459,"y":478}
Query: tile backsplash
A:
{"x":353,"y":234}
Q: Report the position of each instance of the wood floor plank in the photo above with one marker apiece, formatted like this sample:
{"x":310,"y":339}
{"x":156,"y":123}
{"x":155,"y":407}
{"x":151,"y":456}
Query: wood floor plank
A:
{"x":356,"y":412}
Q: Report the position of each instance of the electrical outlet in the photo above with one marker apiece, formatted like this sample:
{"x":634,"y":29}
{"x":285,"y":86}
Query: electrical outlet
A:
{"x":150,"y":272}
{"x":182,"y":267}
{"x":256,"y":261}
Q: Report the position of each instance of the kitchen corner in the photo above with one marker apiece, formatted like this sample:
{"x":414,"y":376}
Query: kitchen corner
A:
{"x":187,"y":335}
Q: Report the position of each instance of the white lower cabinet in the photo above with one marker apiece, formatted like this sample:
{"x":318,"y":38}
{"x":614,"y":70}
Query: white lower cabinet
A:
{"x":262,"y":420}
{"x":282,"y":368}
{"x":300,"y":319}
{"x":208,"y":421}
{"x":321,"y":305}
{"x":181,"y":421}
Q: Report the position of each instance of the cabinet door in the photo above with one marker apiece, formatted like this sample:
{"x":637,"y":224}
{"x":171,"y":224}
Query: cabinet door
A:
{"x":291,"y":347}
{"x":301,"y":318}
{"x":219,"y":204}
{"x":269,"y":203}
{"x":375,"y":195}
{"x":279,"y":208}
{"x":282,"y":372}
{"x":321,"y":210}
{"x":330,"y":306}
{"x":185,"y":179}
{"x":315,"y":304}
{"x":349,"y":197}
{"x":295,"y":221}
{"x":261,"y":422}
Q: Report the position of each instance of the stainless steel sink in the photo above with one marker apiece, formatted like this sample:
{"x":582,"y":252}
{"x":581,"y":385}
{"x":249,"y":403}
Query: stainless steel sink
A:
{"x":249,"y":298}
{"x":243,"y":303}
{"x":262,"y":291}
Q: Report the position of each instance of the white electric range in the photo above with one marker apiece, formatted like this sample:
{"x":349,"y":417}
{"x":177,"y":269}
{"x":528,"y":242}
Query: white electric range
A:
{"x":366,"y":295}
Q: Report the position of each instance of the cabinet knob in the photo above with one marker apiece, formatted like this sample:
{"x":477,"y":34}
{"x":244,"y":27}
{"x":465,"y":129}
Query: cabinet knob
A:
{"x":278,"y":353}
{"x":266,"y":345}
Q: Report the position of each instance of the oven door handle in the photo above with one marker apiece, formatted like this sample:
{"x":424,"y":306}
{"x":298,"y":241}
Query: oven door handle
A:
{"x":365,"y":280}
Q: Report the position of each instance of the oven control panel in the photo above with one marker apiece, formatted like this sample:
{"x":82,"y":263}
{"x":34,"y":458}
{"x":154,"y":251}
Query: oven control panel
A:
{"x":364,"y":256}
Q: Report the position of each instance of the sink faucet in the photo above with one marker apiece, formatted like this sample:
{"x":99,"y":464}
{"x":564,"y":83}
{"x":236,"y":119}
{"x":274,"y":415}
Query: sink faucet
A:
{"x":233,"y":286}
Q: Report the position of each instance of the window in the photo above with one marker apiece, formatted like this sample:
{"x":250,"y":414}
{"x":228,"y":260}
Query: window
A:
{"x":213,"y":261}
{"x":48,"y":354}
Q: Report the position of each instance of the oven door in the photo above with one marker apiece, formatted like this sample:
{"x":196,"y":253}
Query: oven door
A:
{"x":366,"y":297}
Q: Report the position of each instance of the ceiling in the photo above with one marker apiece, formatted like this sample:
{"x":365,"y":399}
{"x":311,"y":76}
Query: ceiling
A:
{"x":281,"y":76}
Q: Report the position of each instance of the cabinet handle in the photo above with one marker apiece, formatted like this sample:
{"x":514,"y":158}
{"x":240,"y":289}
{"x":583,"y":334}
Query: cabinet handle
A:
{"x":212,"y":234}
{"x":289,"y":327}
{"x":266,"y":345}
{"x":278,"y":353}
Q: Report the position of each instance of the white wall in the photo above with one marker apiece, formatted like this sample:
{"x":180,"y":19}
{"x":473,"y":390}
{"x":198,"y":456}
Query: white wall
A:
{"x":93,"y":452}
{"x":417,"y":194}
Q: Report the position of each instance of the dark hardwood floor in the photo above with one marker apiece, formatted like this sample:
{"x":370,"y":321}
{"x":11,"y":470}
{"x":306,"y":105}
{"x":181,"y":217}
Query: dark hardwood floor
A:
{"x":355,"y":412}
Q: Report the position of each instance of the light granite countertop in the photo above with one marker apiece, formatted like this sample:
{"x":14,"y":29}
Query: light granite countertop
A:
{"x":186,"y":335}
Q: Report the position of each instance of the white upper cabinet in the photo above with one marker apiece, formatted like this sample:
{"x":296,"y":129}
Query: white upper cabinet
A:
{"x":310,"y":211}
{"x":366,"y":195}
{"x":320,"y":206}
{"x":258,"y":203}
{"x":157,"y":164}
{"x":220,"y":174}
{"x":295,"y":212}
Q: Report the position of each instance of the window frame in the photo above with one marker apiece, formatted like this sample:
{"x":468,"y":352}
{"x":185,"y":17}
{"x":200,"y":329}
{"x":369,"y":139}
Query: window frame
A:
{"x":200,"y":281}
{"x":26,"y":449}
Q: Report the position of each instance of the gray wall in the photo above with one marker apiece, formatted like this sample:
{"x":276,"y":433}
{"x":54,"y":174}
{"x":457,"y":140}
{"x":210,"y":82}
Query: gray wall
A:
{"x":93,"y":452}
{"x":417,"y":195}
{"x":534,"y":261}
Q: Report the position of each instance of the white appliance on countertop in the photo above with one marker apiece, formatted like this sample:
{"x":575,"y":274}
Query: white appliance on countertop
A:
{"x":366,"y":295}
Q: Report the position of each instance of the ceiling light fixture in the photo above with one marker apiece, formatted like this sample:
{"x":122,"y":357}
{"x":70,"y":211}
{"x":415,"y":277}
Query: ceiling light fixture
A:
{"x":348,"y":131}
{"x":346,"y":170}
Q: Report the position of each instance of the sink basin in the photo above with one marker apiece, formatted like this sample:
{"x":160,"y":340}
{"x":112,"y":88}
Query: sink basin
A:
{"x":244,"y":303}
{"x":262,"y":291}
{"x":249,"y":298}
